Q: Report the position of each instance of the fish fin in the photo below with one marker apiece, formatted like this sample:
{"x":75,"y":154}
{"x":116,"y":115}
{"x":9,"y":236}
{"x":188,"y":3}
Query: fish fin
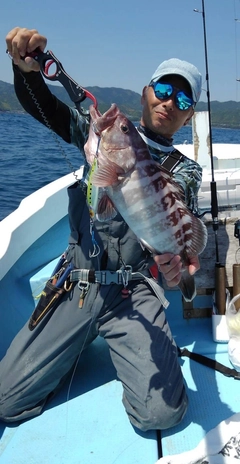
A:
{"x":187,"y":286}
{"x":107,"y":174}
{"x":106,"y":210}
{"x":199,"y":237}
{"x":144,"y":245}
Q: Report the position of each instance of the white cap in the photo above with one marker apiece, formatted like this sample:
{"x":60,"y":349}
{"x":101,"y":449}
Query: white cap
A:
{"x":184,"y":69}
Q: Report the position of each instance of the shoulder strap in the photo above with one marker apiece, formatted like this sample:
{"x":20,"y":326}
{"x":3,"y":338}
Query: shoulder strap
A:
{"x":210,"y":363}
{"x":172,"y":160}
{"x":173,"y":156}
{"x":76,"y":206}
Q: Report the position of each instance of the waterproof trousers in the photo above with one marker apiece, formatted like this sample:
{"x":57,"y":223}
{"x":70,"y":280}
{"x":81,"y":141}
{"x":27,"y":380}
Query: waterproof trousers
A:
{"x":141,"y":347}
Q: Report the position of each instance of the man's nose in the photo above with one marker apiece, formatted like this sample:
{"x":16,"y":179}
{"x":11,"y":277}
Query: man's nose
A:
{"x":169,"y":102}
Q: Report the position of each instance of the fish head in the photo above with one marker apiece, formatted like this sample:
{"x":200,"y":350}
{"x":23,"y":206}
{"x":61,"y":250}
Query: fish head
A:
{"x":119,"y":140}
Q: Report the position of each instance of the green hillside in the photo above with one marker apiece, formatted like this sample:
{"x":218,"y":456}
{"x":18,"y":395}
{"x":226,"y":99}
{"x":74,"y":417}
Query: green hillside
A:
{"x":127,"y":101}
{"x":223,"y":114}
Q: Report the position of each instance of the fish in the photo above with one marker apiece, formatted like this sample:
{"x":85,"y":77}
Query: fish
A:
{"x":150,"y":201}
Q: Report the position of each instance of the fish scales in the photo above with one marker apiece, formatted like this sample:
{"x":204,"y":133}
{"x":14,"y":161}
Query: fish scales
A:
{"x":138,"y":196}
{"x":146,"y":196}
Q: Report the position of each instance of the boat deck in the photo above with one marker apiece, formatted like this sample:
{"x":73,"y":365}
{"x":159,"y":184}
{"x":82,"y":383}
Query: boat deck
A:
{"x":83,"y":424}
{"x":213,"y":397}
{"x":86,"y":422}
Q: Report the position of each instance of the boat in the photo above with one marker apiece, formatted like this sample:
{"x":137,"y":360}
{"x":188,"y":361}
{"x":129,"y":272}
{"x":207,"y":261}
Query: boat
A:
{"x":86,"y":422}
{"x":80,"y":423}
{"x":225,"y":162}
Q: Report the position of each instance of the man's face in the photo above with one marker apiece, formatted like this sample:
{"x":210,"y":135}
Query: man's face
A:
{"x":163,"y":116}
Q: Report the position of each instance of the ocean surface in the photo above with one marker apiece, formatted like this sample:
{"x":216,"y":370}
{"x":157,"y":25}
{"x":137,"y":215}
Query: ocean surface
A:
{"x":31,"y":156}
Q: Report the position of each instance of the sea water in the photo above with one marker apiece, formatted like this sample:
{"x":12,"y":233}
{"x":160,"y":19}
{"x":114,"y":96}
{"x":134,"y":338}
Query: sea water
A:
{"x":31,"y":156}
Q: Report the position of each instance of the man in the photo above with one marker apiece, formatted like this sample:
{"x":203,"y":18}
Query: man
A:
{"x":139,"y":339}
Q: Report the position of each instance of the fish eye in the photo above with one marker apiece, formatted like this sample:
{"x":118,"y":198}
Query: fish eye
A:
{"x":124,"y":129}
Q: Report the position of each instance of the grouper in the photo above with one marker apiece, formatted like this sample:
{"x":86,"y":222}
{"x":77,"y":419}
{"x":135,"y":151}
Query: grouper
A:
{"x":142,"y":191}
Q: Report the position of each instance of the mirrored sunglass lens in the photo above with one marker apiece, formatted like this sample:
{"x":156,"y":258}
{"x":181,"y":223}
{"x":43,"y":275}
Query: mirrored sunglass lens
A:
{"x":163,"y":90}
{"x":183,"y":101}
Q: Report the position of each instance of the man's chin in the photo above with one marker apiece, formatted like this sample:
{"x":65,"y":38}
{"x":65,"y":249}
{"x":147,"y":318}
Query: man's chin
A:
{"x":160,"y":128}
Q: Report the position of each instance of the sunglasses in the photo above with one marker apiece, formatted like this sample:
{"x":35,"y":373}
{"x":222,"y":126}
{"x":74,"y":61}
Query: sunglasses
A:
{"x":163,"y":91}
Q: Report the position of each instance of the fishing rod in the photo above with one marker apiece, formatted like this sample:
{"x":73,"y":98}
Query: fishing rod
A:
{"x":220,"y":272}
{"x":214,"y":201}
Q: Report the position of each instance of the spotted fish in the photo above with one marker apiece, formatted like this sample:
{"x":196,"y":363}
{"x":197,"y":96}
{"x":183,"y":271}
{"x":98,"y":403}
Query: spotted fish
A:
{"x":145,"y":194}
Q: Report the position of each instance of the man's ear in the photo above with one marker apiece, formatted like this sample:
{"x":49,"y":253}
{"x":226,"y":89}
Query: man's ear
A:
{"x":189,"y":117}
{"x":143,"y":94}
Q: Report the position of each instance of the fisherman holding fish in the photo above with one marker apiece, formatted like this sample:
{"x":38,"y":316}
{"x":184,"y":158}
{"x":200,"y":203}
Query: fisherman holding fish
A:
{"x":113,"y":292}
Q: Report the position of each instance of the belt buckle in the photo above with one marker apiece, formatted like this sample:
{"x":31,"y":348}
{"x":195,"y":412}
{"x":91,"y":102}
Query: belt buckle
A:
{"x":121,"y":276}
{"x":112,"y":277}
{"x":107,"y":277}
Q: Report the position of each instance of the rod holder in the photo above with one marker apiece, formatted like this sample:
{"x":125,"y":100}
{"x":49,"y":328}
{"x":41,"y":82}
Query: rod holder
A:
{"x":220,"y":288}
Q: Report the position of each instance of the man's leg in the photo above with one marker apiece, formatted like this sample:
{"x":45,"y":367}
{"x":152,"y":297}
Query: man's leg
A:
{"x":145,"y":357}
{"x":36,"y":361}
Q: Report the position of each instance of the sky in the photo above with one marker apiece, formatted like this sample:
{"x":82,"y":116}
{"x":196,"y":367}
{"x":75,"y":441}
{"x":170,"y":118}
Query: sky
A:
{"x":112,"y":43}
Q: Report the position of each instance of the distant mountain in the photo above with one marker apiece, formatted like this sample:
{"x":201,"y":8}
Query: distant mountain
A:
{"x":127,"y":100}
{"x":8,"y":99}
{"x":223,"y":114}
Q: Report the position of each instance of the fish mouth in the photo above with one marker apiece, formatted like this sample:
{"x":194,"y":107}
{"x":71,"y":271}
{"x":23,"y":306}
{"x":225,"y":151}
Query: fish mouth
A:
{"x":112,"y":148}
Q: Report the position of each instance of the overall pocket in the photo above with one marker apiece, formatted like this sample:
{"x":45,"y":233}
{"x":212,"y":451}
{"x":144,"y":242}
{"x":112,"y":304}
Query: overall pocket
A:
{"x":48,"y":300}
{"x":53,"y":291}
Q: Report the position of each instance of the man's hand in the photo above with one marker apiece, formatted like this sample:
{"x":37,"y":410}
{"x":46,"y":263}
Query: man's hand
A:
{"x":21,"y":41}
{"x":171,"y":267}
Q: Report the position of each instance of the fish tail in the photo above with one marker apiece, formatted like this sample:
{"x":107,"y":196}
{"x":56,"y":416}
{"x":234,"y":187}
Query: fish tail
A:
{"x":187,"y":286}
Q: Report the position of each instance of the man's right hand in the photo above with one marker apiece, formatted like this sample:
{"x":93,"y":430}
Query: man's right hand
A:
{"x":171,"y":267}
{"x":21,"y":41}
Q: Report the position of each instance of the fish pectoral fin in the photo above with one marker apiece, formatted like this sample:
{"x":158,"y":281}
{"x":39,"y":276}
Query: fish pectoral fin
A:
{"x":187,"y":286}
{"x":106,"y":210}
{"x":107,"y":175}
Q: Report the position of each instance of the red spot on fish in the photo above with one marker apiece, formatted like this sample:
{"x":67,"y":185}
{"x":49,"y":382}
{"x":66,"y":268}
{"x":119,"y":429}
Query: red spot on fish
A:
{"x":173,"y":218}
{"x":159,"y":183}
{"x":187,"y":227}
{"x":178,"y":234}
{"x":167,"y":201}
